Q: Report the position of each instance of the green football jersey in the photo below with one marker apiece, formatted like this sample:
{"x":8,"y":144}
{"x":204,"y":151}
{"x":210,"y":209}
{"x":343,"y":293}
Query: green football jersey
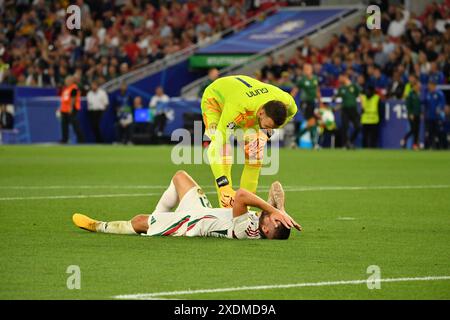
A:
{"x":308,"y":88}
{"x":349,"y":95}
{"x":413,"y":104}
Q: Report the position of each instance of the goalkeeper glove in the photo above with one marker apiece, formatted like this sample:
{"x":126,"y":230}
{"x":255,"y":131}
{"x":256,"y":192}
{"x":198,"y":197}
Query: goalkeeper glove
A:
{"x":254,"y":145}
{"x":226,"y":192}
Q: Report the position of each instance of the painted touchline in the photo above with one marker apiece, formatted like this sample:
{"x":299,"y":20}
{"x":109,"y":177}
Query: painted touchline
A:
{"x":144,"y":296}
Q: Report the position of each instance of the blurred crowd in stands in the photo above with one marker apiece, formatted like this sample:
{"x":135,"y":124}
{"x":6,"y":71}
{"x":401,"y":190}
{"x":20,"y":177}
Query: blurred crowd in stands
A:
{"x":406,"y":45}
{"x":116,"y":36}
{"x":407,"y":58}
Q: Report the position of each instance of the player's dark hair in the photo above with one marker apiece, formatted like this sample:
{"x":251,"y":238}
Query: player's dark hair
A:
{"x":281,"y":232}
{"x":277,"y":111}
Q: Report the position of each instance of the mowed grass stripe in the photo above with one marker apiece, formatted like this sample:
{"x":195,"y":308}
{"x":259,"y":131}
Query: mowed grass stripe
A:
{"x":287,"y":189}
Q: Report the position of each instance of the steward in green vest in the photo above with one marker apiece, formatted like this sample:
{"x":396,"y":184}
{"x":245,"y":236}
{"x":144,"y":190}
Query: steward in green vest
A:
{"x":370,"y":118}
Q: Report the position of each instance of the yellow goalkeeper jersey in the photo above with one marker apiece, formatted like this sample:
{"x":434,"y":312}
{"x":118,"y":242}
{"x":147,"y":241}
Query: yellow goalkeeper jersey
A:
{"x":232,"y":102}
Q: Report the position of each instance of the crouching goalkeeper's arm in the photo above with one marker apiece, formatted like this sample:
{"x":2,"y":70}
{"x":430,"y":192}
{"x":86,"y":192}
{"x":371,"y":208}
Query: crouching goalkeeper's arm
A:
{"x":254,"y":144}
{"x":220,"y":159}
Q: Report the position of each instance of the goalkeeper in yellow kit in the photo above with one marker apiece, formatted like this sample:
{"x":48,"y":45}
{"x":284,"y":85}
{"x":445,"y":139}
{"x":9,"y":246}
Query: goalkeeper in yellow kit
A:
{"x":241,"y":102}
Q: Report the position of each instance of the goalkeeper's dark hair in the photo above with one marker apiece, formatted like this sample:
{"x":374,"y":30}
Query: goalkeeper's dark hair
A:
{"x":277,"y":111}
{"x":281,"y":232}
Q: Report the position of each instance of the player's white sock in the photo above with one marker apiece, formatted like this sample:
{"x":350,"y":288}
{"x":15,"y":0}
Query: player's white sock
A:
{"x":117,"y":227}
{"x":168,"y":200}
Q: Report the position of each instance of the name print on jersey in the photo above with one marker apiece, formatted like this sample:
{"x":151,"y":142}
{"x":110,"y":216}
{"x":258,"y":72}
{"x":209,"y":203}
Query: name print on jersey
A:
{"x":256,"y":92}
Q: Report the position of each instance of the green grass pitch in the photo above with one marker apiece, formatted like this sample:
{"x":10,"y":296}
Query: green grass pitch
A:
{"x":398,"y":218}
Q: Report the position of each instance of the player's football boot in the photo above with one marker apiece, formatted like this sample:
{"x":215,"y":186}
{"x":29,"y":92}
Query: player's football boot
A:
{"x":275,"y":186}
{"x":84,"y":222}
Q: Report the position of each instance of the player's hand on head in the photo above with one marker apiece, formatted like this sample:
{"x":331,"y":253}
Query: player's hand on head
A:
{"x":279,"y":217}
{"x":283,"y":217}
{"x":296,"y":225}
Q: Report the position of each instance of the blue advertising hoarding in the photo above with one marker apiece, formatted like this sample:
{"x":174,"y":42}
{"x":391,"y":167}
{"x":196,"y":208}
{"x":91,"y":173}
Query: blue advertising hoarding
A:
{"x":41,"y":124}
{"x":394,"y":125}
{"x":274,"y":30}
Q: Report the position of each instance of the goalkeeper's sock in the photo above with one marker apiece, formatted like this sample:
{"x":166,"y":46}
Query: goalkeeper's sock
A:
{"x":168,"y":200}
{"x":116,"y":227}
{"x":249,"y":177}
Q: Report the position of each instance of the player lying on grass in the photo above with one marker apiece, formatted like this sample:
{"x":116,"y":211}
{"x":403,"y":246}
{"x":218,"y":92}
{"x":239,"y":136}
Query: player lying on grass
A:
{"x":194,"y":215}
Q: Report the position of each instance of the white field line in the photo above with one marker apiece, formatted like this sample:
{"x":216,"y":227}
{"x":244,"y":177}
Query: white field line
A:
{"x":290,"y":188}
{"x":262,"y":188}
{"x":83,"y":187}
{"x":81,"y":196}
{"x":144,"y":296}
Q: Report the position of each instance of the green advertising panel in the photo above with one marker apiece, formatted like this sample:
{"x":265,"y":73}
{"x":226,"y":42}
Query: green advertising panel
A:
{"x":217,"y":60}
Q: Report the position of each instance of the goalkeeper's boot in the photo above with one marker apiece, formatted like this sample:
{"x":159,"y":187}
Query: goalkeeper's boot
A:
{"x":84,"y":222}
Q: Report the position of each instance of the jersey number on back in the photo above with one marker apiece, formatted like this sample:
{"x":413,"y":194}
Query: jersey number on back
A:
{"x":244,"y":82}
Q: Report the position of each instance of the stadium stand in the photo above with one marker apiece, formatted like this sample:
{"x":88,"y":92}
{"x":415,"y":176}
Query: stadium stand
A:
{"x":116,"y":37}
{"x":418,"y":45}
{"x":120,"y":39}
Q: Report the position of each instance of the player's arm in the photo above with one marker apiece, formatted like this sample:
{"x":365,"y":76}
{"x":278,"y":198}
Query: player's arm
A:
{"x":211,"y":112}
{"x":219,"y":151}
{"x":254,"y":143}
{"x":278,"y":200}
{"x":244,"y":199}
{"x":220,"y":159}
{"x":219,"y":154}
